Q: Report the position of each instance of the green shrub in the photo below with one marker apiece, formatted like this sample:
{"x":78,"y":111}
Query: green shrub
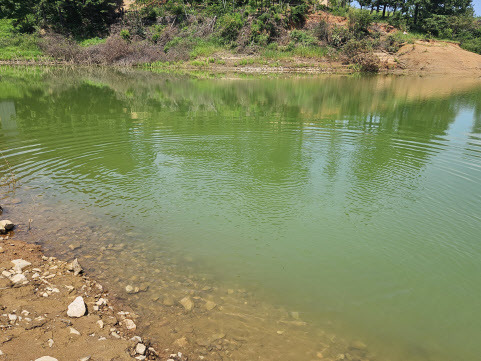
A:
{"x":302,"y":38}
{"x":230,"y":25}
{"x":125,"y":34}
{"x":339,"y":36}
{"x":473,"y":45}
{"x":298,"y":14}
{"x":359,"y":22}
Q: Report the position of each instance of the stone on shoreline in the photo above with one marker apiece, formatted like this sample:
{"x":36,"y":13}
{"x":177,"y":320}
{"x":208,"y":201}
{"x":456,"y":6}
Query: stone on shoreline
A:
{"x":77,"y":308}
{"x":129,"y":324}
{"x":19,"y":279}
{"x":75,"y":267}
{"x":140,"y":349}
{"x":20,"y":264}
{"x":6,"y":226}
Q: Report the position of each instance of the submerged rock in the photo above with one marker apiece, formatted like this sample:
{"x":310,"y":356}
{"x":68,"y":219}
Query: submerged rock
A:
{"x":187,"y":303}
{"x":77,"y":308}
{"x":131,"y":289}
{"x":210,"y":305}
{"x":6,"y":226}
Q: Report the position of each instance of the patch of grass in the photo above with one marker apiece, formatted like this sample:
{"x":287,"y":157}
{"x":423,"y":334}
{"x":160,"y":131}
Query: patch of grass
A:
{"x":205,"y":49}
{"x":300,"y":51}
{"x":15,"y":46}
{"x":92,"y":41}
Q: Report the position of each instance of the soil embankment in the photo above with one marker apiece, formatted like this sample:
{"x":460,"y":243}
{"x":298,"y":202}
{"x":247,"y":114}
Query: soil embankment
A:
{"x":438,"y":57}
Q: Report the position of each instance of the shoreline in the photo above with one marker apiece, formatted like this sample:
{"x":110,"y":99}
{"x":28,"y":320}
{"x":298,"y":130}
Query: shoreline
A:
{"x":38,"y":293}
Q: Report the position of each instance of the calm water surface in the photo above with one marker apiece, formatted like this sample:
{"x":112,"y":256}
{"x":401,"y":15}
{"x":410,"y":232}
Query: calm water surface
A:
{"x":353,"y":201}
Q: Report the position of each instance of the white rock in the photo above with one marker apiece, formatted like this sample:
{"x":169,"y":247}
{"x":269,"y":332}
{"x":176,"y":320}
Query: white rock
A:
{"x":141,"y":357}
{"x":46,"y":358}
{"x":101,"y":301}
{"x":84,"y":358}
{"x":136,"y":338}
{"x":6,"y":274}
{"x":140,"y":348}
{"x":74,"y":331}
{"x":77,"y":308}
{"x":6,"y":226}
{"x":115,"y":334}
{"x":100,"y":323}
{"x":12,"y":317}
{"x":50,"y":342}
{"x":1,"y":353}
{"x":20,"y":264}
{"x":19,"y":279}
{"x":129,"y":324}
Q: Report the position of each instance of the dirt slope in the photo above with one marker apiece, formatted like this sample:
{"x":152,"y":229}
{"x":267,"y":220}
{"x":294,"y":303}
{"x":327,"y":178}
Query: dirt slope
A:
{"x":437,"y":57}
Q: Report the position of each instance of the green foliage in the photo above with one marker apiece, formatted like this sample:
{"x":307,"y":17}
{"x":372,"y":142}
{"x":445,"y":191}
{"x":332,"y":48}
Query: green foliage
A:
{"x":359,"y":22}
{"x":473,"y":45}
{"x":298,"y":14}
{"x":125,"y":34}
{"x":303,"y":38}
{"x":14,"y":45}
{"x":78,"y":18}
{"x":229,"y":26}
{"x":92,"y":41}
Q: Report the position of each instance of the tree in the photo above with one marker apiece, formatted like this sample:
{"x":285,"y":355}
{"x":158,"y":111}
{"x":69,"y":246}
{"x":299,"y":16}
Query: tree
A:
{"x":80,"y":18}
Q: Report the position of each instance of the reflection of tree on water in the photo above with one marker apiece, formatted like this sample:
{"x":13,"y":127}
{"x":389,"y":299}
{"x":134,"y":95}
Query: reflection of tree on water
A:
{"x":258,"y":128}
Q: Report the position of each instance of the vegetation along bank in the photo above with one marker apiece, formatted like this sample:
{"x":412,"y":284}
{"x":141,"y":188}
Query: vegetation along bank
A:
{"x":246,"y":35}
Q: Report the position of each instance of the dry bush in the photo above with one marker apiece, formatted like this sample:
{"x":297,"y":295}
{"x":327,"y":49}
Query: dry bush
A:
{"x":59,"y":47}
{"x":367,"y":61}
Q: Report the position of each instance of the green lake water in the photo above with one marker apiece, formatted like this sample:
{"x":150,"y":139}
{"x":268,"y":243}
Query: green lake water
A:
{"x":355,"y":201}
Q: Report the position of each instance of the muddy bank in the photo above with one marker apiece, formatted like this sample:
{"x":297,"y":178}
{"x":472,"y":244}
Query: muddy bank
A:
{"x":49,"y":308}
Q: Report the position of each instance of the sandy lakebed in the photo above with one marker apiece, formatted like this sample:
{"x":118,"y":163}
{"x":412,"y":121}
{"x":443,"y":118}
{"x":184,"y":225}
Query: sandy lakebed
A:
{"x":176,"y":316}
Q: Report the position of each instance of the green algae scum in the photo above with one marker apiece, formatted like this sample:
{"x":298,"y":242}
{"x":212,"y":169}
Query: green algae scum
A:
{"x":302,"y":218}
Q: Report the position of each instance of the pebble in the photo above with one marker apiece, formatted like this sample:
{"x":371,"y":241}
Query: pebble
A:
{"x":130,"y":289}
{"x":19,"y":279}
{"x":140,"y":349}
{"x":74,"y":331}
{"x":6,"y":226}
{"x":359,"y":345}
{"x":50,"y":342}
{"x":100,"y":323}
{"x":75,"y":267}
{"x":129,"y":324}
{"x":46,"y":358}
{"x":85,"y":358}
{"x":77,"y":308}
{"x":210,"y":305}
{"x":20,"y":264}
{"x":187,"y":303}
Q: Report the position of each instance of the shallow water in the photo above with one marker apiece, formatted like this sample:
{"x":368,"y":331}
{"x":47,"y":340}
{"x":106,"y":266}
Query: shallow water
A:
{"x":355,"y":202}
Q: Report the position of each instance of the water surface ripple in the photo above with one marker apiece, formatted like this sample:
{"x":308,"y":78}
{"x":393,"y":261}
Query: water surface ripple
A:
{"x":353,"y":201}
